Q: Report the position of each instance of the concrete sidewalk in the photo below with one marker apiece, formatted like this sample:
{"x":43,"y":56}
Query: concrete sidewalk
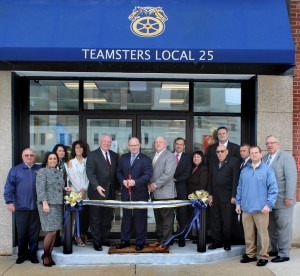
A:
{"x":231,"y":266}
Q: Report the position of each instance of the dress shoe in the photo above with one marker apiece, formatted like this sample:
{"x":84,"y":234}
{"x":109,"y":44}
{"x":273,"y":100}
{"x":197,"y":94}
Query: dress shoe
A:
{"x":227,"y":247}
{"x":247,"y":259}
{"x":107,"y":243}
{"x":161,"y":249}
{"x":98,"y":248}
{"x":244,"y":256}
{"x":279,"y":259}
{"x":262,"y":262}
{"x":181,"y":242}
{"x":214,"y":246}
{"x":139,"y":247}
{"x":273,"y":253}
{"x":20,"y":260}
{"x":34,"y":259}
{"x":154,"y":244}
{"x":123,"y":244}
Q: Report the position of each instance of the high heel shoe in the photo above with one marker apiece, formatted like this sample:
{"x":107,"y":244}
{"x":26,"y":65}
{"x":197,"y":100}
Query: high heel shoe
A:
{"x":49,"y":264}
{"x":79,"y":242}
{"x":52,"y":262}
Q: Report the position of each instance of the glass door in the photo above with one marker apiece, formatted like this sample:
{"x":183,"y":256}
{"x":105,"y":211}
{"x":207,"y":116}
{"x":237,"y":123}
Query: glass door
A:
{"x":146,"y":128}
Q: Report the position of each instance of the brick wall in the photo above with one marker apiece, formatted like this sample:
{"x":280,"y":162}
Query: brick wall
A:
{"x":295,"y":26}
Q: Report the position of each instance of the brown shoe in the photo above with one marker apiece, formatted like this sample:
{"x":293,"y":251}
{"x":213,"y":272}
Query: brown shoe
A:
{"x":154,"y":244}
{"x":161,"y":248}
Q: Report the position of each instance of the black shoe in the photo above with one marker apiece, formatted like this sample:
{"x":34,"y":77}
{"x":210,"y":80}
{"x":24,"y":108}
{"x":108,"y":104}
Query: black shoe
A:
{"x":215,"y":246}
{"x":123,"y":244}
{"x":244,"y":256}
{"x":262,"y":262}
{"x":98,"y":247}
{"x":247,"y":259}
{"x":279,"y":259}
{"x":139,"y":247}
{"x":181,"y":242}
{"x":34,"y":259}
{"x":227,"y":247}
{"x":20,"y":260}
{"x":273,"y":253}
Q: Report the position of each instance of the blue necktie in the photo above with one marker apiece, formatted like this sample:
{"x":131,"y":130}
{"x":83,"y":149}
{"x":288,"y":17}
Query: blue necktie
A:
{"x":132,"y":159}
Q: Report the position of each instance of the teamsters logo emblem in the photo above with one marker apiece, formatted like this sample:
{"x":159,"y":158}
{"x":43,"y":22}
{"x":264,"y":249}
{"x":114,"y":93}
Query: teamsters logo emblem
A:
{"x":148,"y":21}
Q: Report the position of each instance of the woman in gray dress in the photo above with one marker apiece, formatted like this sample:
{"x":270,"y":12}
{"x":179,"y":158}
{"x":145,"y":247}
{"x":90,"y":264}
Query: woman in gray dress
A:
{"x":50,"y":186}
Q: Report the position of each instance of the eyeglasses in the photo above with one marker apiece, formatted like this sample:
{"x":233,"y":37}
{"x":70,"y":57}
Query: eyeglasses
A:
{"x":220,"y":151}
{"x":29,"y":155}
{"x":133,"y":145}
{"x":271,"y":143}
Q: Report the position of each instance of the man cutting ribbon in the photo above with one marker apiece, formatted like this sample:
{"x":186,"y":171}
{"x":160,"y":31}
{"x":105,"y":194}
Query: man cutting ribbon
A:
{"x":133,"y":173}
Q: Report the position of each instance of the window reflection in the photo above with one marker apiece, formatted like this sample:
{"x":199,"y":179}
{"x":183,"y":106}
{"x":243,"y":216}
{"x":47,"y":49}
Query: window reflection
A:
{"x":217,"y":97}
{"x":205,"y":130}
{"x":54,"y":95}
{"x":136,"y":95}
{"x":48,"y":130}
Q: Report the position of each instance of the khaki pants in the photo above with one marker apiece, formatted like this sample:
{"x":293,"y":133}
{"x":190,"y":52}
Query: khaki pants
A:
{"x":260,"y":222}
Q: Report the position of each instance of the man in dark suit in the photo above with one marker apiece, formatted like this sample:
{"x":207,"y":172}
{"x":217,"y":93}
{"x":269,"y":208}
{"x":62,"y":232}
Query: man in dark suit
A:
{"x":245,"y":155}
{"x":133,"y":173}
{"x":182,"y":173}
{"x":211,"y":159}
{"x":223,"y":180}
{"x":223,"y":135}
{"x":101,"y":168}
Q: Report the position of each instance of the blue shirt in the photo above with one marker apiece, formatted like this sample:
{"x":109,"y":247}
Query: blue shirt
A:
{"x":20,"y":187}
{"x":256,"y":189}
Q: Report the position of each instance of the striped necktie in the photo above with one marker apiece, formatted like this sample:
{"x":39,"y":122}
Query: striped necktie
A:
{"x":132,"y":159}
{"x":269,"y":160}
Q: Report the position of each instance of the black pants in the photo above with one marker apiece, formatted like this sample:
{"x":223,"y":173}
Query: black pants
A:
{"x":182,"y":213}
{"x":220,"y":222}
{"x":100,"y":223}
{"x":28,"y":229}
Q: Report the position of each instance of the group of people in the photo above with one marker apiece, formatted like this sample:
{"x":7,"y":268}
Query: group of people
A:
{"x":262,"y":192}
{"x":35,"y":194}
{"x":239,"y":181}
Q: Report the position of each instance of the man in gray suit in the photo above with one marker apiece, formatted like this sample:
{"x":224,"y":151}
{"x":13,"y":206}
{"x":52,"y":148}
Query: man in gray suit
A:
{"x":162,"y":187}
{"x":280,"y":226}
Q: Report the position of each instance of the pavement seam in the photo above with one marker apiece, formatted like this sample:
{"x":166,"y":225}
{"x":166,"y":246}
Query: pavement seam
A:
{"x":7,"y":269}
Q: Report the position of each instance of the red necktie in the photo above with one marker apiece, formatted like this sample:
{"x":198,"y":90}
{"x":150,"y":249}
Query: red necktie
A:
{"x":177,"y":158}
{"x":107,"y":160}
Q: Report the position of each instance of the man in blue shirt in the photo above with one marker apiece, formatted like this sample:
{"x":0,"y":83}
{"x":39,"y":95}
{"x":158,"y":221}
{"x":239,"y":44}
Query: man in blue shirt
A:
{"x":20,"y":197}
{"x":256,"y":195}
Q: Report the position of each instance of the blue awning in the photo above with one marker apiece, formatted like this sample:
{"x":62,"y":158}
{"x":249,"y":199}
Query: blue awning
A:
{"x":198,"y":31}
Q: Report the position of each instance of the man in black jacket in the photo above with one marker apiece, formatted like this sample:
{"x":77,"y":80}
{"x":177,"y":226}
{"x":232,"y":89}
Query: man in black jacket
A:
{"x":223,"y":180}
{"x":182,"y":173}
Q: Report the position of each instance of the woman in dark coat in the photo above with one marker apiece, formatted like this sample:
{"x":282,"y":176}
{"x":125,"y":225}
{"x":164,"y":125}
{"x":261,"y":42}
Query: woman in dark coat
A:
{"x":198,"y":180}
{"x":50,"y":185}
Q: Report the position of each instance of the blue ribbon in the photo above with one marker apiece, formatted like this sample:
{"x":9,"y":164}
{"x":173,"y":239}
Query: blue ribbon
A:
{"x":194,"y":222}
{"x":68,"y":211}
